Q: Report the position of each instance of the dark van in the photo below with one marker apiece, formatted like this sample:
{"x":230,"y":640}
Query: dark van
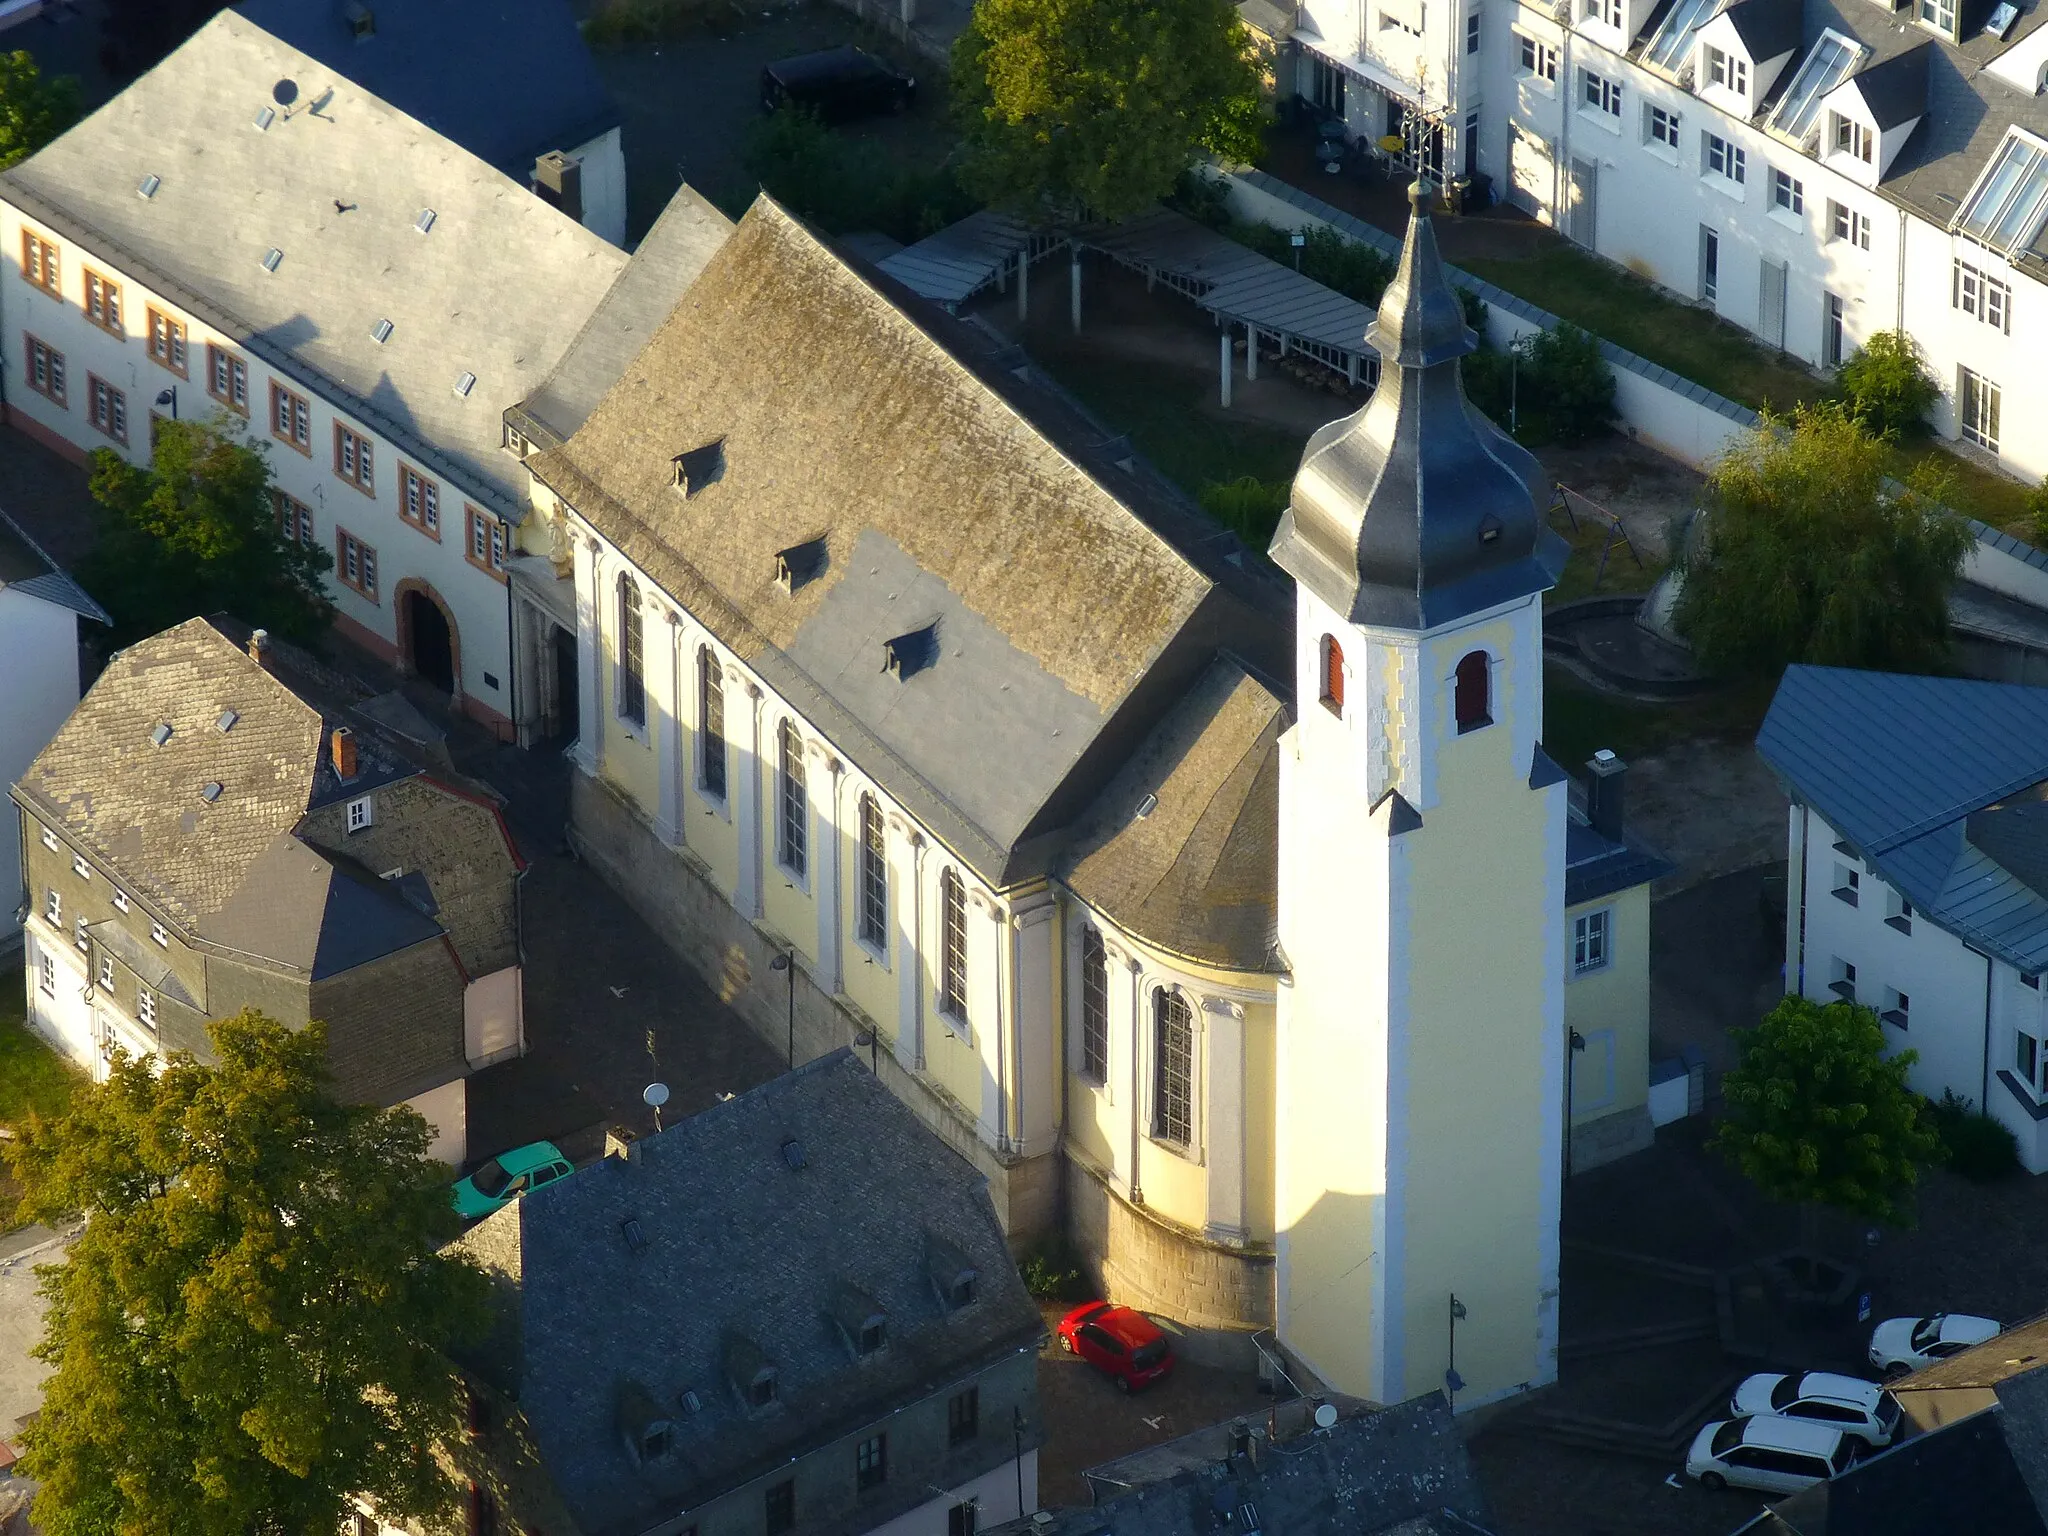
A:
{"x":837,"y":84}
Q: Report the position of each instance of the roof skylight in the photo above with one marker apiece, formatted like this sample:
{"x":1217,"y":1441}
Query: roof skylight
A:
{"x":2004,"y":210}
{"x":147,"y":189}
{"x":464,"y":383}
{"x":1673,"y":42}
{"x":382,"y":331}
{"x":425,"y":221}
{"x":1826,"y":67}
{"x":265,"y":118}
{"x":272,"y":258}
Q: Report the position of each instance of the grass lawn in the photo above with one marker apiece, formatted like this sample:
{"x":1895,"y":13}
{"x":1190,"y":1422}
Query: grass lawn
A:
{"x":32,"y":1076}
{"x":1981,"y":493}
{"x":1631,"y":313}
{"x":1578,"y":720}
{"x":1583,"y":575}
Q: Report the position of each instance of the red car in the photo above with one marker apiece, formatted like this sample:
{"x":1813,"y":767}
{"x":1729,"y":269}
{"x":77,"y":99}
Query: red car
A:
{"x":1124,"y":1345}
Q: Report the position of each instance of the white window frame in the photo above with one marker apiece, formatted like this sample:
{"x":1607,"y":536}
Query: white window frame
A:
{"x":361,"y":814}
{"x":46,"y":972}
{"x":145,"y":1007}
{"x":1788,"y":193}
{"x":1981,"y":296}
{"x":1660,"y":129}
{"x":49,"y":840}
{"x":157,"y":933}
{"x":1723,"y":159}
{"x":120,"y":899}
{"x":871,"y":877}
{"x":1600,"y":97}
{"x":1535,"y":60}
{"x":1592,"y":942}
{"x":1981,"y":425}
{"x":1848,"y":225}
{"x":792,"y":805}
{"x":53,"y":908}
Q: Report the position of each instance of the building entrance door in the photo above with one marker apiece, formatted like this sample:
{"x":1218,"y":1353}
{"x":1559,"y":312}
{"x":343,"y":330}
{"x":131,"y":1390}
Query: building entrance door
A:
{"x":564,"y":715}
{"x":433,"y":647}
{"x":1581,"y":217}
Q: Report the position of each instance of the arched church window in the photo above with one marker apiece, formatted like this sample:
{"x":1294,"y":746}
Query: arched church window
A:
{"x":632,"y":688}
{"x":1472,"y":695}
{"x":1333,"y":675}
{"x":1094,"y":1006}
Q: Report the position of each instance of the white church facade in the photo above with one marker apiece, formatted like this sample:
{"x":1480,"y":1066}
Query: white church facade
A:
{"x":921,"y":716}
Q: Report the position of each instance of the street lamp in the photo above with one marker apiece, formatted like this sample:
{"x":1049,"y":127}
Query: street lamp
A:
{"x":1453,"y":1382}
{"x":169,"y":397}
{"x":872,"y":1040}
{"x":786,"y":962}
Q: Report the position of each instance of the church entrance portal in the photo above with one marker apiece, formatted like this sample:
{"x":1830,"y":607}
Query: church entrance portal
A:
{"x":433,"y":648}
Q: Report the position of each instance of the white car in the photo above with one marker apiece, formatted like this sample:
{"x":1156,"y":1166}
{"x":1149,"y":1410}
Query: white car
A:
{"x":1768,"y":1453}
{"x":1903,"y":1344}
{"x":1859,"y":1408}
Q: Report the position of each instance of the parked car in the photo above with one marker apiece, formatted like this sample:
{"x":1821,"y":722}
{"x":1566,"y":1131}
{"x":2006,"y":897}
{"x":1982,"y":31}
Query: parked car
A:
{"x":504,"y":1178}
{"x":1125,"y":1345}
{"x":1902,"y":1344}
{"x":1859,"y":1408}
{"x":838,"y":84}
{"x":1768,"y":1453}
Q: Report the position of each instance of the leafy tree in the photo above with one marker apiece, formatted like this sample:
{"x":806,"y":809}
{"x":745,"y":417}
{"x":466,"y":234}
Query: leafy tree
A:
{"x":197,"y":533}
{"x":1818,"y":1115}
{"x":1887,"y":387}
{"x":33,"y":110}
{"x":253,"y":1324}
{"x":1809,"y":553}
{"x":1076,"y":108}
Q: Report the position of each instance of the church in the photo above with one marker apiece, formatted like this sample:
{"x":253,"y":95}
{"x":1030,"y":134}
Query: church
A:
{"x":1225,"y":913}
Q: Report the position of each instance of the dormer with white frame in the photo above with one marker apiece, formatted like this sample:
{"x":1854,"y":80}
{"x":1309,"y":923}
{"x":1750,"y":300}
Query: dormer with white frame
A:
{"x":1866,"y":120}
{"x":1740,"y":53}
{"x":1611,"y":23}
{"x":2008,"y":204}
{"x":2025,"y":64}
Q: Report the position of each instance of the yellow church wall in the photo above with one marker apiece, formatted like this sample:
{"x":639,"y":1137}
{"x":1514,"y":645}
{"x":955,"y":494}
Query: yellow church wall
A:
{"x":710,"y":832}
{"x":1258,"y":1121}
{"x":627,"y":761}
{"x":874,"y":987}
{"x":1176,"y":1186}
{"x":952,"y":1061}
{"x":1614,"y":999}
{"x":787,"y":905}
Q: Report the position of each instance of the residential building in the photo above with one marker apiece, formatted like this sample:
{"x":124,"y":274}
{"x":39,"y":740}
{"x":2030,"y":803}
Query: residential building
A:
{"x":245,"y":234}
{"x":1915,"y":883}
{"x":1815,"y":173}
{"x":1357,"y":1470}
{"x":512,"y":84}
{"x":972,"y":741}
{"x":1401,"y":69}
{"x":40,"y":607}
{"x":793,"y":1311}
{"x":214,"y":829}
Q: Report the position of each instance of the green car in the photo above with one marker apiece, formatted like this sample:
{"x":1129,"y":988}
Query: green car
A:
{"x":509,"y":1175}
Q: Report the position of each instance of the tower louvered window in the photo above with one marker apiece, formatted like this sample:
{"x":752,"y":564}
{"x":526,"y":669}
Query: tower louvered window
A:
{"x":1333,"y":675}
{"x":874,"y":876}
{"x":1473,"y":700}
{"x":1173,"y":1068}
{"x":1094,"y":1006}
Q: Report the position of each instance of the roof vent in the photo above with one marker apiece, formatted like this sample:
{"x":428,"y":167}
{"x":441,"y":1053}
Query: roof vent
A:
{"x":211,"y":792}
{"x":382,"y":331}
{"x":265,"y":118}
{"x":700,"y":467}
{"x":147,"y":189}
{"x":800,"y":564}
{"x":464,"y":383}
{"x":362,"y":21}
{"x":425,"y":221}
{"x":162,"y":733}
{"x":793,"y":1154}
{"x":690,"y":1401}
{"x":271,"y":259}
{"x":1147,"y":806}
{"x":227,"y":720}
{"x":907,"y":655}
{"x":629,"y":1229}
{"x":1489,"y":529}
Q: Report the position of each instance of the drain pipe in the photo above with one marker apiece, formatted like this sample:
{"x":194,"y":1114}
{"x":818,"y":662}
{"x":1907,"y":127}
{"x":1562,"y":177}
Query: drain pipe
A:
{"x":1984,"y":1093}
{"x":1137,"y":1105}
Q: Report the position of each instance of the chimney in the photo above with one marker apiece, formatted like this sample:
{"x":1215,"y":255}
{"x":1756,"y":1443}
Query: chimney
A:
{"x":618,"y":1144}
{"x":344,"y":743}
{"x":259,"y":648}
{"x":1605,"y":781}
{"x":362,"y":21}
{"x":558,"y":181}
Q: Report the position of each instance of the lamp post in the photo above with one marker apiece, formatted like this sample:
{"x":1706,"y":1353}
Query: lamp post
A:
{"x":169,"y":397}
{"x":1453,"y":1382}
{"x":872,"y":1040}
{"x":786,"y":961}
{"x":1574,"y":1043}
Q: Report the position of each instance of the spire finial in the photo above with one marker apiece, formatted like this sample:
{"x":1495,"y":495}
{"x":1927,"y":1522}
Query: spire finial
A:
{"x":1418,"y":196}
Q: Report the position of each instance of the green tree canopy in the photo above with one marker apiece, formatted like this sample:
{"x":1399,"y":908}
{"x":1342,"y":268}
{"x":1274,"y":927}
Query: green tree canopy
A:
{"x":1808,"y":553}
{"x":1817,"y":1114}
{"x":254,"y":1322}
{"x":1095,"y":107}
{"x":197,"y":533}
{"x":33,"y":110}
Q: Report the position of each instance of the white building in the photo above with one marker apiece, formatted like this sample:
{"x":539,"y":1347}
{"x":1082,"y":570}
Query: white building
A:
{"x":40,"y":607}
{"x":358,"y":294}
{"x":1917,"y":882}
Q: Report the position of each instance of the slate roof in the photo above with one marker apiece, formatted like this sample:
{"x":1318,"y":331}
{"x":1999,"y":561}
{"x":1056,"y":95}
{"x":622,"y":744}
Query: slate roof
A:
{"x":1597,"y":866}
{"x":24,"y":568}
{"x":496,"y":286}
{"x":1767,"y":28}
{"x":1074,"y":593}
{"x":741,"y":1254}
{"x":508,"y":80}
{"x":1918,"y":775}
{"x":1374,"y":1473}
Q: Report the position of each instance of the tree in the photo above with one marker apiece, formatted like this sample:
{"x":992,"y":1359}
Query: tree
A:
{"x":1808,"y":552}
{"x":1076,"y":108}
{"x":1818,"y":1115}
{"x":253,"y":1324}
{"x":1886,"y":386}
{"x":33,"y":110}
{"x":197,"y":533}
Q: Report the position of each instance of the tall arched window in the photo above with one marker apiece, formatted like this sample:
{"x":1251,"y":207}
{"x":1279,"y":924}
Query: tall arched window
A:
{"x":1333,"y":675}
{"x":953,"y":947}
{"x":1472,"y":697}
{"x":794,"y":840}
{"x":874,"y":876}
{"x":1094,"y":1006}
{"x":710,"y":724}
{"x":632,"y":683}
{"x":1173,"y":1067}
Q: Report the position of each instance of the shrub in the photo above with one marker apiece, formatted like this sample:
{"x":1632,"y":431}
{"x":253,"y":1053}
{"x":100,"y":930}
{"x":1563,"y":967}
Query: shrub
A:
{"x":844,"y":184}
{"x":1886,"y":387}
{"x":1248,"y":507}
{"x":1563,"y":370}
{"x":1202,"y":197}
{"x":1979,"y":1147}
{"x":1354,"y":270}
{"x":1052,"y":1272}
{"x":2037,"y":514}
{"x":1489,"y":384}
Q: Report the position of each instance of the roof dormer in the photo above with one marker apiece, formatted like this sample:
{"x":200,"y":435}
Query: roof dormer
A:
{"x":644,"y":1425}
{"x":1827,"y":64}
{"x":955,"y":1281}
{"x":863,"y":1326}
{"x":1866,"y":120}
{"x":1740,"y":53}
{"x":752,"y":1374}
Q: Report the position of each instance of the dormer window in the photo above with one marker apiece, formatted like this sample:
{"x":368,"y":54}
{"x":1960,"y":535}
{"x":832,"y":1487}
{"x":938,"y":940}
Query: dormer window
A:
{"x":861,"y":1323}
{"x":644,"y":1425}
{"x":954,"y":1279}
{"x":1852,"y":138}
{"x":1940,"y":15}
{"x":656,"y":1441}
{"x":761,"y":1390}
{"x":799,"y":565}
{"x":872,"y":1337}
{"x":1608,"y":11}
{"x":1728,"y":71}
{"x":700,"y":467}
{"x":909,"y":654}
{"x":963,"y":1291}
{"x":751,"y":1372}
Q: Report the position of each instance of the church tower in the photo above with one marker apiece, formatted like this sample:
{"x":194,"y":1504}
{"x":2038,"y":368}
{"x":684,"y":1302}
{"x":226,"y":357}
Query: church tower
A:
{"x":1421,"y":1041}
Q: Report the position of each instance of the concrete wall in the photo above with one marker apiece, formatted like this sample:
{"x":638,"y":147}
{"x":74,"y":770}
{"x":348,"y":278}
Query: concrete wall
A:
{"x":39,"y":654}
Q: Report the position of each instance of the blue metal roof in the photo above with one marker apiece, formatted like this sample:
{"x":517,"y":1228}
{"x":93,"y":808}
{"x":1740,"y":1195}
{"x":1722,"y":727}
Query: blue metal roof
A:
{"x":1897,"y":765}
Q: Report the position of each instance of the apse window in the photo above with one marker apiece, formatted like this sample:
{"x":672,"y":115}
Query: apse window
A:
{"x":1472,"y":692}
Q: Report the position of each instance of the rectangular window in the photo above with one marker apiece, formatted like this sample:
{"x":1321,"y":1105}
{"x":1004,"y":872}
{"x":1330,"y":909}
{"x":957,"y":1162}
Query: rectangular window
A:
{"x":44,"y":369}
{"x":1608,"y":11}
{"x":1599,"y":94}
{"x":1898,"y":912}
{"x":157,"y":935}
{"x":361,"y":813}
{"x":291,"y":420}
{"x":1173,"y":1067}
{"x":953,"y":947}
{"x":778,"y":1506}
{"x":39,"y":264}
{"x":1845,"y":223}
{"x":49,"y":839}
{"x":486,"y":541}
{"x":353,"y":460}
{"x":1723,"y":158}
{"x":167,"y":341}
{"x":1982,"y":297}
{"x":294,"y":518}
{"x":1094,"y":1006}
{"x":1727,"y":71}
{"x":1843,"y":984}
{"x":79,"y":938}
{"x":355,"y":563}
{"x":874,"y":876}
{"x":120,"y":899}
{"x":1848,"y":885}
{"x":794,"y":841}
{"x":103,"y":303}
{"x":1853,"y":139}
{"x":106,"y":407}
{"x":631,"y":673}
{"x":80,"y":868}
{"x":145,"y":1007}
{"x":1661,"y":127}
{"x":1538,"y":60}
{"x":1589,"y":942}
{"x":1472,"y":32}
{"x":710,"y":725}
{"x":871,"y":1463}
{"x":53,"y":907}
{"x":106,"y":973}
{"x":46,"y":973}
{"x":227,"y":378}
{"x":1979,"y":399}
{"x":2026,"y":1058}
{"x":1834,"y":331}
{"x":963,"y":1416}
{"x":1897,"y":1008}
{"x":419,"y":501}
{"x":1786,"y":193}
{"x":1940,"y":15}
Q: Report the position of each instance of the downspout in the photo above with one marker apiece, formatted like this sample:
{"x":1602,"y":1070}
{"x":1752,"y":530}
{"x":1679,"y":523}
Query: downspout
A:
{"x":1137,"y":1104}
{"x":916,"y":958}
{"x":1805,"y":860}
{"x":1984,"y":1093}
{"x":1061,"y":1063}
{"x":512,"y":666}
{"x":1011,"y":941}
{"x":1901,"y":322}
{"x":1561,"y":169}
{"x":1003,"y":1083}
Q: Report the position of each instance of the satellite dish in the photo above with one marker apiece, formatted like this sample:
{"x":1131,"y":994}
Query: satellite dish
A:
{"x":654,"y":1095}
{"x":285,"y":92}
{"x":1326,"y":1416}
